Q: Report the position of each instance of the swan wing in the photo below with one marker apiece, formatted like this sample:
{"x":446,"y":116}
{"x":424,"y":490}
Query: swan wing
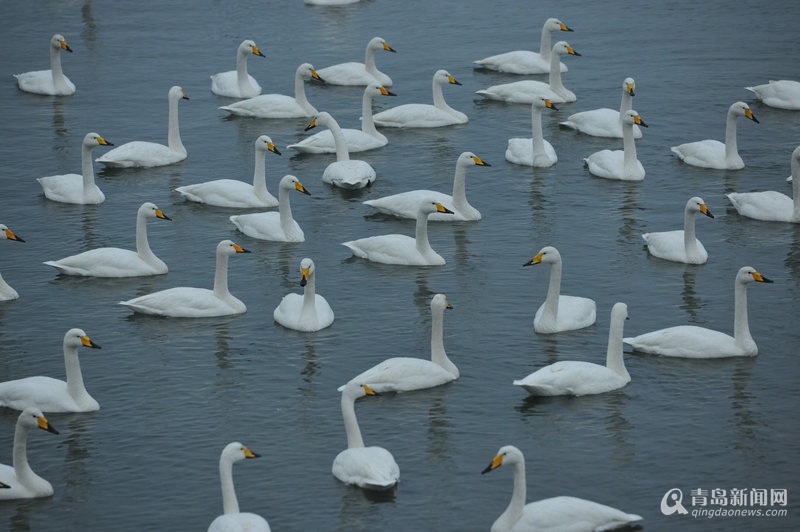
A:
{"x":525,"y":91}
{"x":226,"y":193}
{"x":227,"y":84}
{"x":352,"y":174}
{"x":239,"y":522}
{"x":108,"y":262}
{"x":707,"y":153}
{"x":406,"y":205}
{"x":390,"y":249}
{"x":140,"y":154}
{"x":68,"y":188}
{"x":270,"y":106}
{"x":45,"y":393}
{"x":419,"y":115}
{"x":768,"y":205}
{"x":520,"y":151}
{"x":184,"y":302}
{"x":571,"y":514}
{"x":403,"y":374}
{"x":603,"y":122}
{"x":572,"y":378}
{"x":688,"y":341}
{"x":523,"y":62}
{"x":367,"y":467}
{"x":669,"y":245}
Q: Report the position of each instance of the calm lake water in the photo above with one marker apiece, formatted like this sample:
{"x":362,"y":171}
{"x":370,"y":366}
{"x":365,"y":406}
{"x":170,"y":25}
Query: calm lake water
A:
{"x":173,"y":393}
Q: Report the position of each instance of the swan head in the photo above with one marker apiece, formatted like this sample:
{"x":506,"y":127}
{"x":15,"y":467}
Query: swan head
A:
{"x":307,"y":69}
{"x":264,"y":143}
{"x":290,"y":182}
{"x":229,"y":247}
{"x":151,"y":211}
{"x":553,"y":24}
{"x":748,"y":274}
{"x":632,"y":117}
{"x":177,"y":93}
{"x":443,"y":76}
{"x":541,"y":103}
{"x":547,"y":254}
{"x":60,"y":43}
{"x":306,"y":270}
{"x":94,"y":139}
{"x":430,"y":206}
{"x":376,"y":89}
{"x":628,"y":86}
{"x":8,"y":234}
{"x":742,"y":109}
{"x":563,"y":47}
{"x":235,"y":451}
{"x":78,"y":338}
{"x":249,"y":47}
{"x":439,"y":302}
{"x":354,"y":390}
{"x":505,"y":455}
{"x":377,"y":43}
{"x":696,"y":204}
{"x":468,"y":158}
{"x":33,"y":418}
{"x":322,"y":118}
{"x":619,"y":311}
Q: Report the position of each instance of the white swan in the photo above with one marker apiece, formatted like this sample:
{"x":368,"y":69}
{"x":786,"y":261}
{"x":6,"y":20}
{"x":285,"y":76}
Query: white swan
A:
{"x":527,"y":90}
{"x":77,"y":188}
{"x":190,"y":302}
{"x":574,"y":377}
{"x":234,"y":193}
{"x":783,"y":94}
{"x":770,"y":205}
{"x":681,"y":245}
{"x":605,"y":122}
{"x":353,"y":73}
{"x":366,"y":138}
{"x":690,"y":341}
{"x":309,"y":312}
{"x":558,"y":312}
{"x":403,"y":249}
{"x":279,"y":105}
{"x":403,"y":374}
{"x":535,"y":151}
{"x":344,"y":172}
{"x":53,"y":395}
{"x":238,"y":83}
{"x":554,"y":514}
{"x":145,"y":154}
{"x":372,"y":467}
{"x":117,"y":262}
{"x":6,"y":292}
{"x":711,"y":153}
{"x":276,"y":226}
{"x":422,"y":114}
{"x":406,"y":204}
{"x":51,"y":82}
{"x":619,"y":164}
{"x":526,"y":61}
{"x":22,"y":481}
{"x":232,"y":519}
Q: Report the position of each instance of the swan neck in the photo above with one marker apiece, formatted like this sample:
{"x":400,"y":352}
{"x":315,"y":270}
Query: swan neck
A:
{"x":438,"y":354}
{"x":628,"y":148}
{"x":555,"y":73}
{"x":350,"y":422}
{"x":284,"y":209}
{"x":260,"y":173}
{"x":338,"y":139}
{"x":142,"y":244}
{"x":300,"y":91}
{"x":20,"y":456}
{"x":438,"y":96}
{"x":369,"y":61}
{"x":614,"y":358}
{"x":87,"y":169}
{"x":421,"y":234}
{"x":460,"y":189}
{"x":367,"y":123}
{"x":221,"y":276}
{"x":553,"y":291}
{"x":242,"y":77}
{"x":174,"y":133}
{"x":309,"y":310}
{"x":741,"y":329}
{"x":731,"y":148}
{"x":536,"y":127}
{"x":515,"y":508}
{"x":796,"y":188}
{"x":59,"y":83}
{"x":626,"y":104}
{"x":545,"y":46}
{"x":72,"y":363}
{"x":689,"y":238}
{"x":230,"y":505}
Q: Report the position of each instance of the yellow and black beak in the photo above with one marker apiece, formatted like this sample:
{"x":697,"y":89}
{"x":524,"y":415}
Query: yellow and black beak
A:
{"x":160,"y":214}
{"x":452,"y":80}
{"x":387,"y":47}
{"x":103,"y":142}
{"x":11,"y":236}
{"x":441,"y":208}
{"x":271,"y":147}
{"x":65,"y":46}
{"x":45,"y":425}
{"x":571,"y":51}
{"x":386,"y":92}
{"x":535,"y":260}
{"x":749,"y":114}
{"x":300,"y":188}
{"x":549,"y":104}
{"x":368,"y":390}
{"x":480,"y":162}
{"x":630,"y":87}
{"x":564,"y":27}
{"x":760,"y":278}
{"x":248,"y":453}
{"x":312,"y":125}
{"x":87,"y":342}
{"x":316,"y":76}
{"x":704,"y":210}
{"x":638,"y":121}
{"x":256,"y":51}
{"x":496,"y":462}
{"x":240,"y":249}
{"x":304,"y":273}
{"x":183,"y":95}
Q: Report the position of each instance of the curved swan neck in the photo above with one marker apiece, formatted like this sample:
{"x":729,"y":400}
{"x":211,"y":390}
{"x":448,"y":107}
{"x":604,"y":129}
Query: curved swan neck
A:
{"x":20,"y":456}
{"x":230,"y":505}
{"x":438,"y":354}
{"x":553,"y":291}
{"x":75,"y":387}
{"x":796,"y":187}
{"x":87,"y":169}
{"x":438,"y":96}
{"x":628,"y":149}
{"x":460,"y":189}
{"x":369,"y":61}
{"x":284,"y":209}
{"x":555,"y":73}
{"x":689,"y":238}
{"x":537,"y":138}
{"x":142,"y":244}
{"x":221,"y":276}
{"x":544,"y":44}
{"x":626,"y":104}
{"x":515,"y":508}
{"x":338,"y":139}
{"x":367,"y":123}
{"x":741,"y":329}
{"x":59,"y":83}
{"x":614,"y":359}
{"x":242,"y":77}
{"x":309,"y":310}
{"x":174,"y":133}
{"x":300,"y":91}
{"x":421,"y":234}
{"x":260,"y":173}
{"x":731,"y":149}
{"x":350,"y":422}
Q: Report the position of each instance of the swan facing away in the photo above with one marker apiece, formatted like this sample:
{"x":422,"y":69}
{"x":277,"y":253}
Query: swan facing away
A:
{"x":53,"y":395}
{"x":6,"y":292}
{"x":605,"y":122}
{"x":559,"y":312}
{"x":238,"y":83}
{"x":711,"y":153}
{"x":279,"y":105}
{"x":526,"y":61}
{"x":371,"y":468}
{"x":354,"y":73}
{"x":344,"y":172}
{"x":690,"y":341}
{"x":681,"y":245}
{"x":619,"y":164}
{"x":573,"y":377}
{"x":22,"y":482}
{"x":770,"y":205}
{"x":425,"y":115}
{"x":406,"y":204}
{"x":309,"y":312}
{"x":190,"y":302}
{"x":77,"y":188}
{"x":403,"y":249}
{"x":232,"y":519}
{"x":140,"y":153}
{"x":535,"y":151}
{"x":234,"y":193}
{"x":117,"y":262}
{"x":51,"y":82}
{"x":403,"y":374}
{"x":276,"y":226}
{"x":783,"y":94}
{"x":553,"y":514}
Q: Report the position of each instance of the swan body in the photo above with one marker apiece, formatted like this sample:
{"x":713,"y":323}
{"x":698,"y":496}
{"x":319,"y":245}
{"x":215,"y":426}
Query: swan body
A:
{"x":527,"y":91}
{"x":344,"y":172}
{"x":117,"y":262}
{"x":425,"y":115}
{"x":558,"y":312}
{"x":526,"y":61}
{"x":573,"y":377}
{"x":356,"y":140}
{"x":535,"y":151}
{"x":238,"y":83}
{"x":605,"y":122}
{"x":403,"y":249}
{"x":232,"y":520}
{"x":555,"y":514}
{"x":619,"y":164}
{"x":275,"y":226}
{"x":140,"y":153}
{"x":50,"y":394}
{"x":690,"y":341}
{"x":7,"y":293}
{"x":681,"y":245}
{"x":354,"y":73}
{"x":234,"y":193}
{"x":372,"y":468}
{"x":51,"y":82}
{"x":770,"y":205}
{"x":783,"y":94}
{"x":309,"y":312}
{"x":711,"y":153}
{"x":190,"y":302}
{"x":22,"y":482}
{"x":406,"y":204}
{"x":77,"y":188}
{"x":279,"y":105}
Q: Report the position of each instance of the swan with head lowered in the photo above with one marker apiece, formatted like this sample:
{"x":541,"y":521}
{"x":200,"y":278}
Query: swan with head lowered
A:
{"x":6,"y":292}
{"x":354,"y":73}
{"x":309,"y":312}
{"x":770,"y":205}
{"x":118,"y":262}
{"x":238,"y":83}
{"x":343,"y":172}
{"x":276,"y":226}
{"x":77,"y":188}
{"x":406,"y":204}
{"x":279,"y":105}
{"x":191,"y":302}
{"x":681,"y":245}
{"x":526,"y":61}
{"x":54,"y":395}
{"x":605,"y":122}
{"x":619,"y":164}
{"x":234,"y":193}
{"x":535,"y":151}
{"x":145,"y":154}
{"x":232,"y":519}
{"x":783,"y":94}
{"x":51,"y":82}
{"x":425,"y":115}
{"x":22,"y":482}
{"x":691,"y":341}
